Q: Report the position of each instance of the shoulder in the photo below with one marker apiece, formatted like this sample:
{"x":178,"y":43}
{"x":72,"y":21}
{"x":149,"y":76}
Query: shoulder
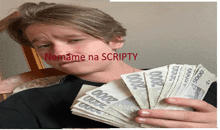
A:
{"x":65,"y":90}
{"x":33,"y":94}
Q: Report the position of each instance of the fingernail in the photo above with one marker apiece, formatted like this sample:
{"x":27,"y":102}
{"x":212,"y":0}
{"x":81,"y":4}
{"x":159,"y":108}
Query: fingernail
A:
{"x":171,"y":99}
{"x":144,"y":113}
{"x":141,"y":119}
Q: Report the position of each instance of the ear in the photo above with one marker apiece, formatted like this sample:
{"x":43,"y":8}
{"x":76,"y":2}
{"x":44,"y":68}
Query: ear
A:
{"x":115,"y":44}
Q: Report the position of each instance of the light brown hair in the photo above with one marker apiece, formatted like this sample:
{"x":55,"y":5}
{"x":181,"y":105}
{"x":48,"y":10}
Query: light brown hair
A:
{"x":88,"y":20}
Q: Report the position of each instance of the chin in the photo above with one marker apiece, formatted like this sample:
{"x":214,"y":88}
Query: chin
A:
{"x":77,"y":71}
{"x":81,"y":70}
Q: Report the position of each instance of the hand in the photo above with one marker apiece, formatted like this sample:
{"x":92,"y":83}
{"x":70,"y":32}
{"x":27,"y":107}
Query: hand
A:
{"x":204,"y":116}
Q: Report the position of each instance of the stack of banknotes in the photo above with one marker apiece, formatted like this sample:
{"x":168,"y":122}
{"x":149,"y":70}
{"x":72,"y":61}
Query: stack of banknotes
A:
{"x":117,"y":103}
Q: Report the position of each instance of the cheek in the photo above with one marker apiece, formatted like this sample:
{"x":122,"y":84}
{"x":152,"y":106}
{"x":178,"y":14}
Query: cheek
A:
{"x":98,"y":48}
{"x":78,"y":48}
{"x":42,"y":55}
{"x":50,"y":62}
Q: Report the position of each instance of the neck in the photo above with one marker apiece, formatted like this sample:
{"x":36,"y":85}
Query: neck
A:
{"x":110,"y":73}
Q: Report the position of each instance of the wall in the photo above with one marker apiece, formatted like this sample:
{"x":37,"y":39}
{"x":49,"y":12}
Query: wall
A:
{"x":161,"y":33}
{"x":12,"y":61}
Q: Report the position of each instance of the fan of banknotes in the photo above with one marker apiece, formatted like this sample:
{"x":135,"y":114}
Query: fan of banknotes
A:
{"x":116,"y":103}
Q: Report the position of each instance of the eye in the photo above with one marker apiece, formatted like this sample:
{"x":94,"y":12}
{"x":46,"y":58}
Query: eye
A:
{"x":75,"y":40}
{"x":44,"y":46}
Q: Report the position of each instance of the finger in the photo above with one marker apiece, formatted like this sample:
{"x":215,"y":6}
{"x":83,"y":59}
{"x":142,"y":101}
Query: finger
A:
{"x":199,"y":105}
{"x":187,"y":116}
{"x":172,"y":123}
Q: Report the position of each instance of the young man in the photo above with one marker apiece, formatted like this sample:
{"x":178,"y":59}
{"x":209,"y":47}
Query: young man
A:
{"x":66,"y":30}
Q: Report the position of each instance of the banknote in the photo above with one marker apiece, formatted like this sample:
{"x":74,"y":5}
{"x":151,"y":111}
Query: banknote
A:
{"x":175,"y":85}
{"x":116,"y":95}
{"x":85,"y":88}
{"x":100,"y":114}
{"x":118,"y":102}
{"x":197,"y":87}
{"x":85,"y":114}
{"x":78,"y":112}
{"x":102,"y":107}
{"x":136,"y":84}
{"x":78,"y":106}
{"x":155,"y":79}
{"x":199,"y":84}
{"x":189,"y":72}
{"x":173,"y":72}
{"x":183,"y":82}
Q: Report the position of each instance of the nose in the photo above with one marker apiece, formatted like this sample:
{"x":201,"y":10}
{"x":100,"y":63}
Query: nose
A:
{"x":62,"y":48}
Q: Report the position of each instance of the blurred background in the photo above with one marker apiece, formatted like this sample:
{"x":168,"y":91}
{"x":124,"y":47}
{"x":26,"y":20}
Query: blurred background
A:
{"x":161,"y":33}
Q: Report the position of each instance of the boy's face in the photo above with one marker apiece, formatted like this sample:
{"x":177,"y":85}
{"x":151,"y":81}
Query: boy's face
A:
{"x":62,"y":40}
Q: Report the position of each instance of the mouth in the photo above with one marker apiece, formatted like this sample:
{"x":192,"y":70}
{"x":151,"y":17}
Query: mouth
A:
{"x":69,"y":62}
